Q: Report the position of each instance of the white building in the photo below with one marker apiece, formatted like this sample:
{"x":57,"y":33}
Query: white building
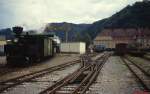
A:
{"x":73,"y":47}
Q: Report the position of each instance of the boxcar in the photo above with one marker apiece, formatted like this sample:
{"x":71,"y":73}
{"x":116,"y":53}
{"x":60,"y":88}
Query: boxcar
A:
{"x":121,"y":49}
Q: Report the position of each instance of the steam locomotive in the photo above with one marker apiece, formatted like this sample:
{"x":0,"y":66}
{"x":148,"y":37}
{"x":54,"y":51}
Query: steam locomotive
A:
{"x":25,"y":49}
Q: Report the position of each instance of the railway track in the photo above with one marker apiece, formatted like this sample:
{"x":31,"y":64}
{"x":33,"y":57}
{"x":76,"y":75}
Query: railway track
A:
{"x":79,"y":81}
{"x":4,"y":69}
{"x":21,"y":79}
{"x":142,"y":77}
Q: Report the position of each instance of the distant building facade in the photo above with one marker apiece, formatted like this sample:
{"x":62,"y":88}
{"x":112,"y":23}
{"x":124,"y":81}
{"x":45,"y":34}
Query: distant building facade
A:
{"x":2,"y":43}
{"x":112,"y":36}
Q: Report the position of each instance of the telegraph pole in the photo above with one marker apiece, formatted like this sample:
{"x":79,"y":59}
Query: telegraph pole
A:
{"x":66,"y":34}
{"x":67,"y":28}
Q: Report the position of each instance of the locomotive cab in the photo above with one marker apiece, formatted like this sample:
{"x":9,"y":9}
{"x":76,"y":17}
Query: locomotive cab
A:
{"x":28,"y":49}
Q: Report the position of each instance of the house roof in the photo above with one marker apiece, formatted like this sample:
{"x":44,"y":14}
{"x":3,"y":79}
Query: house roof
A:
{"x":103,"y":38}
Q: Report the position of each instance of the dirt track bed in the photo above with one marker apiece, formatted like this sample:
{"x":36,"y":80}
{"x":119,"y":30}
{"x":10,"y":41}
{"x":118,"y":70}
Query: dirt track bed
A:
{"x":57,"y":60}
{"x":143,"y":63}
{"x":147,"y":56}
{"x":114,"y":78}
{"x":36,"y":85}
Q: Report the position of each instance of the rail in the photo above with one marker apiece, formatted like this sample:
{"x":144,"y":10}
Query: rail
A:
{"x":18,"y":80}
{"x":131,"y":66}
{"x":90,"y":73}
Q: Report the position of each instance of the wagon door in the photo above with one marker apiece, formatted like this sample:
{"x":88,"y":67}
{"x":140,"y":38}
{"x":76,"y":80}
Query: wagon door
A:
{"x":45,"y":47}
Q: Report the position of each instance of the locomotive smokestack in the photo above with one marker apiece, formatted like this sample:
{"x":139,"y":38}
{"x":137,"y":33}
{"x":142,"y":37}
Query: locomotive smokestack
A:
{"x":17,"y":30}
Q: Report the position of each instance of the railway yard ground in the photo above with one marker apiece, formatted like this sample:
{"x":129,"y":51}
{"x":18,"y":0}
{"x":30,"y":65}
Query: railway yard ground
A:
{"x":104,"y":73}
{"x":147,"y":56}
{"x":8,"y":72}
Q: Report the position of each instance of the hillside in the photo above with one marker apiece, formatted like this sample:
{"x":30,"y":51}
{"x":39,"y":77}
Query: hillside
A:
{"x":7,"y":33}
{"x":60,"y":29}
{"x":136,"y":15}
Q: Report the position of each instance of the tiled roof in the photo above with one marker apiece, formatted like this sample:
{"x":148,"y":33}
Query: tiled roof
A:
{"x":103,"y":38}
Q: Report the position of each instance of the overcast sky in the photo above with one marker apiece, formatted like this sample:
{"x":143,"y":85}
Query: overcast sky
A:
{"x":33,"y":13}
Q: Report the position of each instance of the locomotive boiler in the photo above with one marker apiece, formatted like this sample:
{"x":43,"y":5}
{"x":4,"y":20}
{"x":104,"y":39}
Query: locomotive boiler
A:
{"x":26,"y":49}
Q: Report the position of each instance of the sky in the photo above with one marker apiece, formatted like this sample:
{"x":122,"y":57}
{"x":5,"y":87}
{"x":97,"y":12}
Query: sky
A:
{"x":36,"y":13}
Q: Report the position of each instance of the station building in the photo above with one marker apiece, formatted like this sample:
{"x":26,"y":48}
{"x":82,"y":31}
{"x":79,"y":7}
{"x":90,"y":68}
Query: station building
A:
{"x":109,"y":37}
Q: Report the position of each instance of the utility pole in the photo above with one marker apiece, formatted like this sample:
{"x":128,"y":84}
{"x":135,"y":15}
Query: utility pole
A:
{"x":66,"y":34}
{"x":67,"y":28}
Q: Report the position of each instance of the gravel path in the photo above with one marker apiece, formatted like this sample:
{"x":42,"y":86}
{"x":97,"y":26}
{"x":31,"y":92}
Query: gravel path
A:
{"x":57,"y":60}
{"x":143,"y":63}
{"x":114,"y":78}
{"x":37,"y":85}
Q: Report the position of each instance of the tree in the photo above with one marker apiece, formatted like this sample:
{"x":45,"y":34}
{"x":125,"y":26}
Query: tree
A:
{"x":83,"y":37}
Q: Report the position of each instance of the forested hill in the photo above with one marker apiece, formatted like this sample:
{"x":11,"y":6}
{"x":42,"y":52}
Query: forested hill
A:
{"x":60,"y":29}
{"x":7,"y":33}
{"x":136,"y":15}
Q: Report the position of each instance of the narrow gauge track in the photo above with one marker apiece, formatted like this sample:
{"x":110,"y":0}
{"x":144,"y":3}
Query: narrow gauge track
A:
{"x":93,"y":54}
{"x":21,"y":79}
{"x":79,"y":81}
{"x":5,"y":69}
{"x":138,"y":66}
{"x":141,"y":75}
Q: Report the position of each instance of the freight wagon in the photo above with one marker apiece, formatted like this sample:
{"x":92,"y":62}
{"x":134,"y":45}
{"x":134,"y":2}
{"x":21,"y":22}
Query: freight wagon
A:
{"x":27,"y":49}
{"x":121,"y":49}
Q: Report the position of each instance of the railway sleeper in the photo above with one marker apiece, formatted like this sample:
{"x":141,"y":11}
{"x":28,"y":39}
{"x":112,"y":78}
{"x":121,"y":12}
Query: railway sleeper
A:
{"x":79,"y":79}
